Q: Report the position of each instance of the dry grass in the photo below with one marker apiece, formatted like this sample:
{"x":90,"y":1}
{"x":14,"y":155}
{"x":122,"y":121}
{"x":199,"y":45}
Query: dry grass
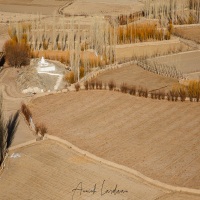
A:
{"x":141,"y":32}
{"x":157,"y":138}
{"x":26,"y":112}
{"x":77,"y":86}
{"x":40,"y":128}
{"x":111,"y":85}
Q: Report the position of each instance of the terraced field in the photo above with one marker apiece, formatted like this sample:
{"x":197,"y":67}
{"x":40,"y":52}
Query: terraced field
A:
{"x":135,"y":75}
{"x":186,"y":62}
{"x":102,"y":7}
{"x":158,"y":138}
{"x":150,"y":49}
{"x":31,"y":6}
{"x":49,"y":170}
{"x":190,"y":33}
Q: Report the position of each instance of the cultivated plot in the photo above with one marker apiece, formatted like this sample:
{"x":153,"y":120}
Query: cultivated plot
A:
{"x":186,"y":62}
{"x":158,"y":138}
{"x":135,"y":75}
{"x":49,"y":170}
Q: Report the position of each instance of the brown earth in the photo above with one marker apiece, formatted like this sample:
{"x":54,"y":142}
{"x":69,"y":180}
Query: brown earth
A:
{"x":158,"y":138}
{"x":150,"y":49}
{"x":186,"y":62}
{"x":50,"y":170}
{"x":102,"y":7}
{"x":135,"y":75}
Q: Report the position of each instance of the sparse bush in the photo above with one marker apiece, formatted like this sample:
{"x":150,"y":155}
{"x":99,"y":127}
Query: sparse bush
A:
{"x":111,"y":85}
{"x":41,"y":128}
{"x":145,"y":93}
{"x":100,"y":85}
{"x":194,"y":90}
{"x":97,"y":84}
{"x":69,"y":77}
{"x":17,"y":54}
{"x":86,"y":85}
{"x":77,"y":86}
{"x":173,"y":94}
{"x":140,"y":91}
{"x":182,"y":93}
{"x":124,"y":88}
{"x":26,"y":111}
{"x":105,"y":86}
{"x":82,"y":71}
{"x":92,"y":84}
{"x":132,"y":90}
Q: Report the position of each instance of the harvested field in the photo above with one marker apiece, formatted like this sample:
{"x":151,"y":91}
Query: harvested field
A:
{"x":189,"y":32}
{"x":150,"y":49}
{"x":135,"y":75}
{"x":158,"y":138}
{"x":51,"y":171}
{"x":45,"y":7}
{"x":100,"y":8}
{"x":186,"y":62}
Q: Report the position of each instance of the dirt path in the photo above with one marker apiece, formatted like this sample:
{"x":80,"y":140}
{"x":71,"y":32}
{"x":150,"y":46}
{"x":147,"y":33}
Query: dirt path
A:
{"x":157,"y":138}
{"x":50,"y":170}
{"x":12,"y":99}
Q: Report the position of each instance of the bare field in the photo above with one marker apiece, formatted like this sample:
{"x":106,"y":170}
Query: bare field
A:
{"x":46,"y":7}
{"x":190,"y":33}
{"x":150,"y":49}
{"x":186,"y":62}
{"x":100,"y":8}
{"x":49,"y":170}
{"x":158,"y":138}
{"x":135,"y":75}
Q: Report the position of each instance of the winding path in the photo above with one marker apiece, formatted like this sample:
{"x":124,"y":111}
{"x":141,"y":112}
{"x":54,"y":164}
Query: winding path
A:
{"x":12,"y":99}
{"x":50,"y":169}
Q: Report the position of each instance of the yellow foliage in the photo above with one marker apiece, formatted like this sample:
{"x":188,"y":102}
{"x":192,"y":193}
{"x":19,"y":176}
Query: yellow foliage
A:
{"x":69,"y":77}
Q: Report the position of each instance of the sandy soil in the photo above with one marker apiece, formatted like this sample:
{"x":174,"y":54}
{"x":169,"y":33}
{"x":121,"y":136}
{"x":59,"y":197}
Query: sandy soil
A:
{"x":57,"y":170}
{"x":158,"y":138}
{"x":135,"y":75}
{"x":49,"y":170}
{"x":186,"y":62}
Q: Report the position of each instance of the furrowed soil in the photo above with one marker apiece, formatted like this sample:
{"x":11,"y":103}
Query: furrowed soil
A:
{"x":190,"y":33}
{"x":158,"y":138}
{"x":135,"y":75}
{"x":56,"y":170}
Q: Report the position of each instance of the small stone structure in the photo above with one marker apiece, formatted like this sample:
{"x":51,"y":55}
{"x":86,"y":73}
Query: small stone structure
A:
{"x":44,"y":66}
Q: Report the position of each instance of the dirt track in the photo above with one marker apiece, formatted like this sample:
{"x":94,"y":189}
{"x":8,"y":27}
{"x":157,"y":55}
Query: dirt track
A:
{"x":158,"y":138}
{"x":12,"y":101}
{"x":49,"y":170}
